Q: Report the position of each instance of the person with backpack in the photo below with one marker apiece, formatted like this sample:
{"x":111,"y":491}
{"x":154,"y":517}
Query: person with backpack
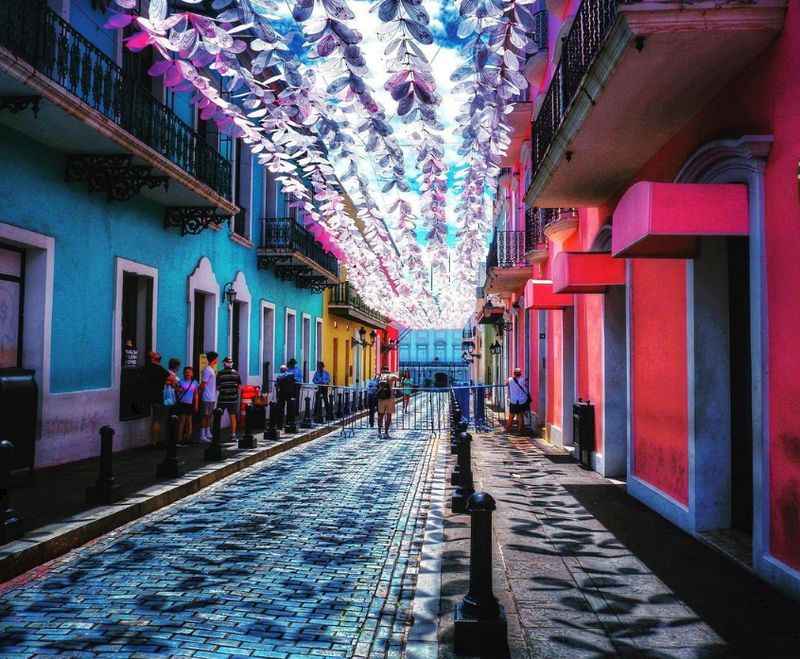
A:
{"x":386,"y":402}
{"x":519,"y":400}
{"x":285,"y":391}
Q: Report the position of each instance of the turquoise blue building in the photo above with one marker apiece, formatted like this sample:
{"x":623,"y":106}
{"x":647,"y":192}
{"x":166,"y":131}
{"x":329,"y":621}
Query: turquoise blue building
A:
{"x":433,"y":357}
{"x":128,"y":224}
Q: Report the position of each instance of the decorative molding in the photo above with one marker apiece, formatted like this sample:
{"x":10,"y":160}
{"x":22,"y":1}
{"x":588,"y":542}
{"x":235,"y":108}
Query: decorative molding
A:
{"x":204,"y":280}
{"x":192,"y":220}
{"x":116,"y":175}
{"x":17,"y":104}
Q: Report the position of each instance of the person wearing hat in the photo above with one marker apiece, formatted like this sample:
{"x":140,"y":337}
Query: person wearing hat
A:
{"x":229,"y":384}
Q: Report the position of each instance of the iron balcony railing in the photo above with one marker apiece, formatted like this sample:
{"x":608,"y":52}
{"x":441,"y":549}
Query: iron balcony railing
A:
{"x":468,"y":333}
{"x":539,"y":33}
{"x":538,"y":219}
{"x":592,"y":24}
{"x":507,"y":250}
{"x":345,"y":295}
{"x":34,"y":32}
{"x":284,"y":234}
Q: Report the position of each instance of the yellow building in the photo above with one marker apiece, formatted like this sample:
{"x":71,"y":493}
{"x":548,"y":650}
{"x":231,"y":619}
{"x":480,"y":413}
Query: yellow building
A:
{"x":351,"y":336}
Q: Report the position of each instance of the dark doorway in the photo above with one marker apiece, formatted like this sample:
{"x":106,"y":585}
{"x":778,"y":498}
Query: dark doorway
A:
{"x":741,"y":386}
{"x":236,"y":334}
{"x":199,"y":338}
{"x":137,"y":341}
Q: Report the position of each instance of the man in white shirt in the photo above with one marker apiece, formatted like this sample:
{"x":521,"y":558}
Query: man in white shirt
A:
{"x":518,"y":400}
{"x":208,"y":395}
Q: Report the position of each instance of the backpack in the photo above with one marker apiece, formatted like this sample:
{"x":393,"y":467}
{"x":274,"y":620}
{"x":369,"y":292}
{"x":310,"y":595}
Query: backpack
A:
{"x":384,"y":389}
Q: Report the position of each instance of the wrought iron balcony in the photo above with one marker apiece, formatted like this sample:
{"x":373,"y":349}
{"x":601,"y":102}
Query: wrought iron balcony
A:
{"x":34,"y":33}
{"x":590,"y":27}
{"x":507,"y":250}
{"x":345,"y":301}
{"x":295,"y":255}
{"x":537,"y":220}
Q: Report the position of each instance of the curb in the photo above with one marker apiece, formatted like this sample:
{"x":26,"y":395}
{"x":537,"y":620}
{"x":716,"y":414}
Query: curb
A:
{"x":54,"y":540}
{"x":423,"y":637}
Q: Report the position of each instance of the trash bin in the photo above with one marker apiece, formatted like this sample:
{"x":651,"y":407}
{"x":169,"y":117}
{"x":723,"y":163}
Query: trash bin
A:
{"x":18,"y":409}
{"x":583,"y":431}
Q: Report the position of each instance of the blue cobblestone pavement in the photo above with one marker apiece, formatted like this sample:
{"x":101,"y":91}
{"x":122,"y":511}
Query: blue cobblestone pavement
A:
{"x":313,"y":553}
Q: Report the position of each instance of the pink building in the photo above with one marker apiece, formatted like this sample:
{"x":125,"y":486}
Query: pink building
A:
{"x":651,"y":265}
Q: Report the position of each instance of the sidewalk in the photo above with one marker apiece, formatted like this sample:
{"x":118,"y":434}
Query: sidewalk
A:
{"x":57,"y":517}
{"x":584,"y":570}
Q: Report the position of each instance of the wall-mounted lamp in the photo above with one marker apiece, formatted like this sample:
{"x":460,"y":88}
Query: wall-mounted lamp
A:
{"x":496,"y":348}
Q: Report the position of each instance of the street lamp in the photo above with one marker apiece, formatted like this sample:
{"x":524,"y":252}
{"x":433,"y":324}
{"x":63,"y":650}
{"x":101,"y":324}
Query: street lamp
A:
{"x":362,"y":341}
{"x":496,"y":348}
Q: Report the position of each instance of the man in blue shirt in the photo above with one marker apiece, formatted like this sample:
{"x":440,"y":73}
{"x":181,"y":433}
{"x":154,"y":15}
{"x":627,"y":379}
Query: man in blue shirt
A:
{"x":294,"y":369}
{"x":323,"y":381}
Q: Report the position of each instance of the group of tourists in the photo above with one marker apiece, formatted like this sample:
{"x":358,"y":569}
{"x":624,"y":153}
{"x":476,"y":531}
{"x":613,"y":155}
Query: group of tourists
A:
{"x":182,"y":395}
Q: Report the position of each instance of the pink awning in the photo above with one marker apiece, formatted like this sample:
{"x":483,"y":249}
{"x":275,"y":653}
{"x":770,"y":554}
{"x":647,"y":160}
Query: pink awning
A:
{"x":664,"y":220}
{"x":539,"y":294}
{"x":587,"y":272}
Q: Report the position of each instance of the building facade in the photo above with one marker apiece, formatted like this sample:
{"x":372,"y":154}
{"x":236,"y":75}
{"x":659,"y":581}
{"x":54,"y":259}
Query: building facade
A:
{"x":129,"y":224}
{"x":433,"y":357}
{"x":644,"y":256}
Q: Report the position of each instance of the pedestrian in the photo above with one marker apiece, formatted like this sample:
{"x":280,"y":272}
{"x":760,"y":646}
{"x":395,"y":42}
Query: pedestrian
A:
{"x":322,"y":379}
{"x":154,"y":378}
{"x":284,"y":394}
{"x":294,"y":369}
{"x":407,"y":389}
{"x":229,"y":384}
{"x":170,"y":387}
{"x":372,"y":399}
{"x":519,"y":400}
{"x":187,"y":396}
{"x":208,"y":395}
{"x":386,"y":401}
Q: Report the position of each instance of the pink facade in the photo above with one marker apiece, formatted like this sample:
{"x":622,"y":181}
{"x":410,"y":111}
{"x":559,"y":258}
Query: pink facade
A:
{"x":686,"y":345}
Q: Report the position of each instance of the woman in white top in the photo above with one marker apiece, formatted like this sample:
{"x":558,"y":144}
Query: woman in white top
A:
{"x":518,"y":400}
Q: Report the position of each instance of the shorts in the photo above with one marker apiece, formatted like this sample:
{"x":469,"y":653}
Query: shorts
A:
{"x":230,"y":408}
{"x":207,"y":407}
{"x":184,"y":408}
{"x":386,"y":405}
{"x":519,"y":408}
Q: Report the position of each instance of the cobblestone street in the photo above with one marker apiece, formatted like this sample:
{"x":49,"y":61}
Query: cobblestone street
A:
{"x":313,"y":553}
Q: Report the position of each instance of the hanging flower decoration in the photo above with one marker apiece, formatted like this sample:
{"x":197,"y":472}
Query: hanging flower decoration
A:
{"x":315,"y":125}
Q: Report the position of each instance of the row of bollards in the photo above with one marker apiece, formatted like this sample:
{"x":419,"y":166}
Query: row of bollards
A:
{"x":480,"y":622}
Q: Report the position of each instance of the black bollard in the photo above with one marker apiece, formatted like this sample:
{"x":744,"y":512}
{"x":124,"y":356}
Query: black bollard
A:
{"x":214,"y":451}
{"x":306,"y":422}
{"x":248,"y":440}
{"x":290,"y":424}
{"x":318,"y":407}
{"x":465,"y":489}
{"x":105,"y":490}
{"x":480,"y":622}
{"x":455,"y":433}
{"x":338,"y":404}
{"x":272,"y":433}
{"x":10,"y":521}
{"x":170,"y":467}
{"x":347,"y":410}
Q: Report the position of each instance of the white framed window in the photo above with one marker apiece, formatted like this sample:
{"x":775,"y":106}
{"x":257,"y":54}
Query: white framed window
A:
{"x":290,"y":335}
{"x":319,"y":346}
{"x":267,"y":348}
{"x":305,"y":355}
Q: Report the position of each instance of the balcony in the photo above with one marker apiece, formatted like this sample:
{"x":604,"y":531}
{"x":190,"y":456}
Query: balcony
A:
{"x":507,"y":269}
{"x":293,"y":253}
{"x":347,"y":303}
{"x":61,"y":90}
{"x":628,"y":80}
